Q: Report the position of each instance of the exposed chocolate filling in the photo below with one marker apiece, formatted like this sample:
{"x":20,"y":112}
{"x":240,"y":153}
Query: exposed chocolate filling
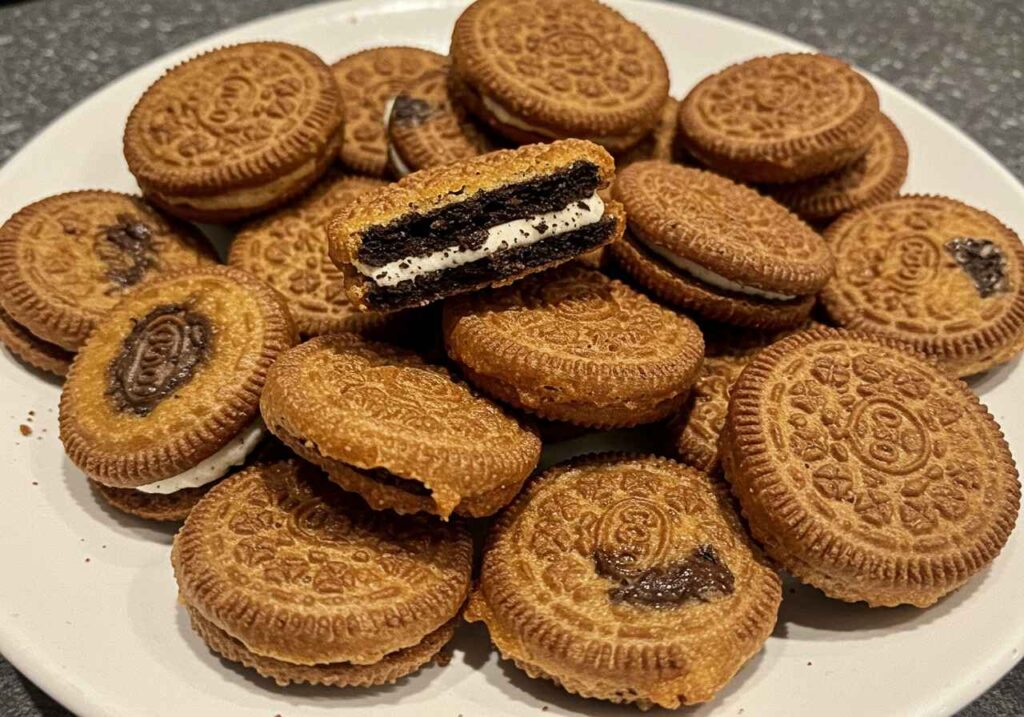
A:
{"x":386,"y":477}
{"x":159,"y":356}
{"x":701,"y":577}
{"x":982,"y":261}
{"x":410,"y":111}
{"x":126,"y":248}
{"x":466,"y":222}
{"x":428,"y":287}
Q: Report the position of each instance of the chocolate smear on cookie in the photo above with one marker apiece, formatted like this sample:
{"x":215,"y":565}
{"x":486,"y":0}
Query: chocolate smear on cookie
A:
{"x":702,"y":576}
{"x":410,"y":111}
{"x":159,"y":356}
{"x":127,"y":250}
{"x":983,"y":261}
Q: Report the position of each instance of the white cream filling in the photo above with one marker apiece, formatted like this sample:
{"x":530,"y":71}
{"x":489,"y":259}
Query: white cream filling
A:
{"x":505,"y":117}
{"x":517,"y":233}
{"x":707,"y":276}
{"x":214,"y":467}
{"x":397,"y":163}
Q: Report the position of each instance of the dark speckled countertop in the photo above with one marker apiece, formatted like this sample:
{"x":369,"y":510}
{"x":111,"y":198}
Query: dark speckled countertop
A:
{"x":964,"y":58}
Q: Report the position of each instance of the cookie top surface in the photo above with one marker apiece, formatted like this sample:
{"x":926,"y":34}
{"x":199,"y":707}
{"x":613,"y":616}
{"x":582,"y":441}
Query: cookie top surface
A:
{"x":876,"y":176}
{"x":429,"y":128}
{"x":66,"y":260}
{"x":238,"y":116}
{"x":573,"y":328}
{"x":288,"y":250}
{"x":722,"y":226}
{"x":171,"y":374}
{"x":429,"y":189}
{"x":931,"y":271}
{"x":366,"y":81}
{"x":298,"y":570}
{"x":840,"y":439}
{"x":370,"y":405}
{"x":778,"y":107}
{"x":575,"y":66}
{"x":635,"y":559}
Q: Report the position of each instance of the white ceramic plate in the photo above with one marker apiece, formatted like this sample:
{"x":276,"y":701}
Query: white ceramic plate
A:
{"x":87,"y":599}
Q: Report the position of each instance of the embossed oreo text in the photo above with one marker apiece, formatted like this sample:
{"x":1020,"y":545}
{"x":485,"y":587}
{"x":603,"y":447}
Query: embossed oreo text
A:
{"x":159,"y":356}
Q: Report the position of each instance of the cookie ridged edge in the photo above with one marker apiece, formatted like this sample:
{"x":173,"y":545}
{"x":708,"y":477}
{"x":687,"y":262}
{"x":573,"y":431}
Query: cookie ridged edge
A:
{"x":836,"y":146}
{"x":746,"y":463}
{"x":31,"y":349}
{"x":168,"y":508}
{"x":959,"y":353}
{"x":325,"y":121}
{"x":237,"y":410}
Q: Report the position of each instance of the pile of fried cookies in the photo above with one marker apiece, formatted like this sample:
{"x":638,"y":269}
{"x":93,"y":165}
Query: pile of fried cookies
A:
{"x":441,"y":264}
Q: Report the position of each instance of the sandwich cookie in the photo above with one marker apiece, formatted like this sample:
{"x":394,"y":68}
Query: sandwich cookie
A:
{"x":65,"y":262}
{"x":702,"y":242}
{"x":780,"y":118}
{"x":301,"y":582}
{"x":932,"y":272}
{"x":396,"y":430}
{"x":536,"y":71}
{"x":626,"y":578}
{"x":866,"y":471}
{"x":427,"y":127}
{"x":235,"y":131}
{"x":368,"y":82}
{"x":288,"y":250}
{"x":163,"y":399}
{"x":573,"y":345}
{"x":481,"y":222}
{"x":875,"y":177}
{"x":31,"y":349}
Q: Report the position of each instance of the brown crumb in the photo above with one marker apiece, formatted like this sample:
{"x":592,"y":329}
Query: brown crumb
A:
{"x":35,"y":482}
{"x":31,"y":413}
{"x":809,"y":664}
{"x":25,"y":430}
{"x":442,"y":658}
{"x":544,"y":708}
{"x":88,"y":560}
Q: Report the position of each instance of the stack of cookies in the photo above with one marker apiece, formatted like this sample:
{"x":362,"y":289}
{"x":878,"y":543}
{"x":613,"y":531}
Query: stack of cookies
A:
{"x":379,"y":366}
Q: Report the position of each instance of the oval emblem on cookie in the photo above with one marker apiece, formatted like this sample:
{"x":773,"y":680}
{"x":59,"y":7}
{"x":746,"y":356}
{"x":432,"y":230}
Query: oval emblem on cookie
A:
{"x":888,"y":437}
{"x":637,"y":528}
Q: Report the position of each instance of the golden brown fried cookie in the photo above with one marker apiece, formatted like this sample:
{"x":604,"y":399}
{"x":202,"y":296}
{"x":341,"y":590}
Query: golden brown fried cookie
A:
{"x":875,"y":177}
{"x":163,"y":507}
{"x":573,"y":345}
{"x":718,"y":248}
{"x":537,"y":71}
{"x":367,"y":81}
{"x":285,"y":573}
{"x":780,"y":118}
{"x":31,"y":349}
{"x":396,"y":430}
{"x":866,"y":471}
{"x":626,"y":578}
{"x":235,"y":131}
{"x":660,"y":143}
{"x":66,"y":260}
{"x":481,"y":222}
{"x":288,"y":250}
{"x":428,"y":127}
{"x":164,"y":396}
{"x":933,"y":272}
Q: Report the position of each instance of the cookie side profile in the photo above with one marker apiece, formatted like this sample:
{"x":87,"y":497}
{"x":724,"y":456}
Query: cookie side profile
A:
{"x":626,"y":578}
{"x":662,"y":141}
{"x":164,"y":396}
{"x":476,"y":223}
{"x":285,"y":573}
{"x":31,"y":349}
{"x":427,"y":127}
{"x":234,"y":131}
{"x":367,"y":82}
{"x":875,"y":177}
{"x":718,"y":248}
{"x":396,"y":430}
{"x":574,"y":345}
{"x":865,"y":471}
{"x":288,"y":250}
{"x":66,"y":260}
{"x":521,"y":64}
{"x":779,"y":118}
{"x":934,"y":273}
